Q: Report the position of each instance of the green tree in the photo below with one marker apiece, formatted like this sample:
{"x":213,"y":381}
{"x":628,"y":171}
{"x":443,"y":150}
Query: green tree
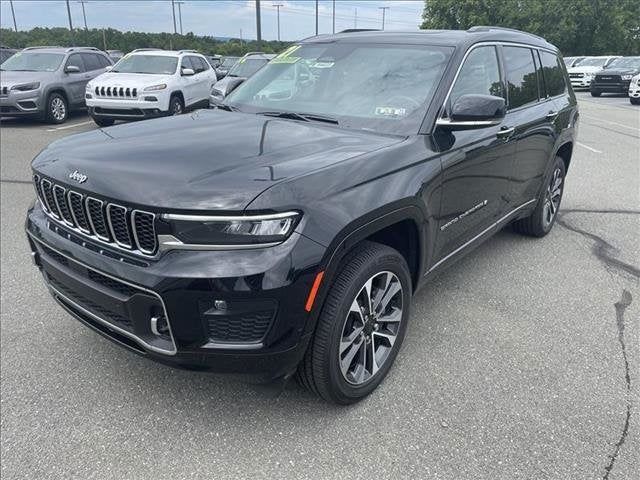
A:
{"x":577,"y":27}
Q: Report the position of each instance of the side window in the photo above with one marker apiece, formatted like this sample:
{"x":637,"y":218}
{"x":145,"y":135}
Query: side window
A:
{"x":91,"y":61}
{"x":522,"y":80}
{"x":104,"y":61}
{"x":186,"y":63}
{"x":552,"y":73}
{"x":197,"y":63}
{"x":480,"y":74}
{"x":205,"y":64}
{"x":76,"y":61}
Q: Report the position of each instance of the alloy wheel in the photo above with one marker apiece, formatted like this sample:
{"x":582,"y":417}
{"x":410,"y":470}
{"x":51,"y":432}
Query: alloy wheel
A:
{"x":58,"y":109}
{"x":177,"y":108}
{"x":370,"y":328}
{"x":552,"y":198}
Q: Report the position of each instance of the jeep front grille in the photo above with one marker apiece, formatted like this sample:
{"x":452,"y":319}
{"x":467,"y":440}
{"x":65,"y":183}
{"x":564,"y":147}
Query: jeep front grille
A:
{"x":117,"y":225}
{"x":116,"y":92}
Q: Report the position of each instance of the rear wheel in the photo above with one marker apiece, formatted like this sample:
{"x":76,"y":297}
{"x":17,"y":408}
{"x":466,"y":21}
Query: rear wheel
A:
{"x":540,"y":222}
{"x":361,"y":326}
{"x":57,"y":109}
{"x":596,"y":93}
{"x":104,"y":122}
{"x":176,"y":105}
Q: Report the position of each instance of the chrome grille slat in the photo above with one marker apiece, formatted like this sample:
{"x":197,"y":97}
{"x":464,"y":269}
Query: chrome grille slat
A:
{"x":115,"y":225}
{"x":116,"y":92}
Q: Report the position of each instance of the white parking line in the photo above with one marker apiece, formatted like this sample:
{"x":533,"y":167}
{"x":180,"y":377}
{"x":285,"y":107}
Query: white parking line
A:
{"x":636,"y":129}
{"x":588,"y":148}
{"x":69,"y":126}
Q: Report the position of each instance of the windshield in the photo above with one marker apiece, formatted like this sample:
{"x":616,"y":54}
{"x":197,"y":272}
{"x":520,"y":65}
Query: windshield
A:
{"x":33,"y":62}
{"x":384,"y":88}
{"x":247,"y":67}
{"x":153,"y":64}
{"x":625,"y":62}
{"x":592,"y":62}
{"x":229,"y":61}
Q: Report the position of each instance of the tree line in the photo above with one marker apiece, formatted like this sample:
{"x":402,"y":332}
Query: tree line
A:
{"x":576,"y":27}
{"x":110,"y":39}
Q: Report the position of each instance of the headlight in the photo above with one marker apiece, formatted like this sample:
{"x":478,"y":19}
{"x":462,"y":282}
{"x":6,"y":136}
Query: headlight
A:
{"x":216,"y":93}
{"x":627,"y":77}
{"x":88,"y":88}
{"x":154,"y":88}
{"x":26,"y":87}
{"x":232,"y":231}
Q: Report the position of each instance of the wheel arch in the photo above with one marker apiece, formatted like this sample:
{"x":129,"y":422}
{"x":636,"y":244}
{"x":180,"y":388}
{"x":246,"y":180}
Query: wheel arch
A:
{"x":565,"y":151}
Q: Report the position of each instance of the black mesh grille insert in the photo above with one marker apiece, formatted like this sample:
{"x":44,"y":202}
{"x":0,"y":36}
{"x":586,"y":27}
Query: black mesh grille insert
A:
{"x":111,"y":283}
{"x":77,"y":207}
{"x":245,"y":327}
{"x":61,"y":199}
{"x":144,"y":230}
{"x":119,"y":228}
{"x":61,"y":259}
{"x":98,"y":221}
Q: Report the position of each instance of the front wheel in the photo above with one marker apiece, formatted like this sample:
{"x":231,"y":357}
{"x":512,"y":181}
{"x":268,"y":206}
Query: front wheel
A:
{"x":57,"y":109}
{"x":361,"y":326}
{"x":596,"y":93}
{"x":540,"y":222}
{"x":635,"y":101}
{"x":176,"y":106}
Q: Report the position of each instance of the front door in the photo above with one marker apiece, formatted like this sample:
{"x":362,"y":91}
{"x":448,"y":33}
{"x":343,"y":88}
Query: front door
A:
{"x":76,"y":81}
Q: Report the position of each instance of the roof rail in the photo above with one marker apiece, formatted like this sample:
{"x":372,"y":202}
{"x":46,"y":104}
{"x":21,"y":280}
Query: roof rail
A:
{"x":255,"y":53}
{"x":145,"y":50}
{"x":73,"y":49}
{"x":43,"y":46}
{"x":355,"y":30}
{"x":486,"y":28}
{"x":187,"y":51}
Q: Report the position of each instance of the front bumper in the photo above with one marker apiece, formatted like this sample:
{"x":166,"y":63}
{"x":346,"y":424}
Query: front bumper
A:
{"x":581,"y":82}
{"x":121,"y":109}
{"x":262,"y":333}
{"x":611,"y":87}
{"x":634,"y":91}
{"x":21,"y":103}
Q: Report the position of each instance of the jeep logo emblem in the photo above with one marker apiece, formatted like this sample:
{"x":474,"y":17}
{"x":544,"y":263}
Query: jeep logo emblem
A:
{"x":78,"y":177}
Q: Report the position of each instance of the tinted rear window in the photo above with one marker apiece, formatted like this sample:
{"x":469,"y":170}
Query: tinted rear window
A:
{"x":522,"y":79}
{"x":552,"y":73}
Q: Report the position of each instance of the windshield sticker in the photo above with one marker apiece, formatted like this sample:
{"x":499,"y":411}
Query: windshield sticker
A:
{"x":391,"y":111}
{"x":285,"y":60}
{"x":322,"y":65}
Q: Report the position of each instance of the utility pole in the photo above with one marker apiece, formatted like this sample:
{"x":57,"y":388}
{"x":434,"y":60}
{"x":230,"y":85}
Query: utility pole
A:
{"x":278,"y":5}
{"x":173,"y":12}
{"x":334,"y":16}
{"x":84,"y":15}
{"x":104,"y":40}
{"x":180,"y":14}
{"x":384,"y":10}
{"x":13,"y":14}
{"x":355,"y":19}
{"x":258,"y":25}
{"x":73,"y":43}
{"x":316,"y":17}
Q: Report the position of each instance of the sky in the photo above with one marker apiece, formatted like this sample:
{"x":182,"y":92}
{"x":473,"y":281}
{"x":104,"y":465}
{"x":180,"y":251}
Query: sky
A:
{"x":219,"y":18}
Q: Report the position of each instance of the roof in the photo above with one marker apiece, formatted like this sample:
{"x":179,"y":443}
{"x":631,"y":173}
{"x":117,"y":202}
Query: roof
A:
{"x":163,"y":53}
{"x":51,"y":49}
{"x":436,"y":37}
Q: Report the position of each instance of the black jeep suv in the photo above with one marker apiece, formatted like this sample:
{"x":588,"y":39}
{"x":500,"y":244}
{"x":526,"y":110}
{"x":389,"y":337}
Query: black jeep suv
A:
{"x":287,"y":230}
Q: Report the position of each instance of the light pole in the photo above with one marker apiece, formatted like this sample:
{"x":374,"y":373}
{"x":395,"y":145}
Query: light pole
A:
{"x":316,"y":17}
{"x":278,"y":5}
{"x":334,"y":16}
{"x":13,"y":14}
{"x":173,"y":12}
{"x":180,"y":14}
{"x":384,"y":10}
{"x":258,"y":24}
{"x":84,"y":15}
{"x":73,"y":42}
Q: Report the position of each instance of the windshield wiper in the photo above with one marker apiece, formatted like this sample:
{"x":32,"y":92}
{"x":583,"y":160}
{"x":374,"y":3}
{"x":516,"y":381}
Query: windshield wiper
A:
{"x":305,"y":117}
{"x":228,"y":108}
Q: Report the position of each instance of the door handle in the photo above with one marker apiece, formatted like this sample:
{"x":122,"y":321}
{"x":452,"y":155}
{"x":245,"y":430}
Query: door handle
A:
{"x":505,"y":132}
{"x":551,"y":115}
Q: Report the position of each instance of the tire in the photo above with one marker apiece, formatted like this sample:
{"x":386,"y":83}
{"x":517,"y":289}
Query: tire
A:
{"x":104,"y":122}
{"x":596,"y":93}
{"x":176,"y":105}
{"x":635,"y":101}
{"x":541,"y":221}
{"x":320,"y":370}
{"x":56,"y":109}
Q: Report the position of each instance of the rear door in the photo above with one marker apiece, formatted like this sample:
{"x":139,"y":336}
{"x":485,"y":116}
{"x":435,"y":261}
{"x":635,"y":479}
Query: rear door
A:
{"x":477,"y":163}
{"x":202,"y":77}
{"x":533,"y":113}
{"x":76,"y":81}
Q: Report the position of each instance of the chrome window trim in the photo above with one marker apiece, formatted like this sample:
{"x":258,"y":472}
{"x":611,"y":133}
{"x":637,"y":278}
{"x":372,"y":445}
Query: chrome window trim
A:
{"x":129,"y":247}
{"x":89,"y":217}
{"x":135,"y":231}
{"x":486,"y":230}
{"x":223,"y":218}
{"x":105,"y":322}
{"x":73,"y":214}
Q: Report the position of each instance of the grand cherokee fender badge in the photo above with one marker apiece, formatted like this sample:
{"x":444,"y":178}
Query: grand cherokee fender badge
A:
{"x":78,"y":177}
{"x":462,"y":215}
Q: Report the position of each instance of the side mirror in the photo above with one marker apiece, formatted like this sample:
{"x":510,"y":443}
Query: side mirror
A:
{"x":108,"y":68}
{"x":474,"y":111}
{"x":71,"y":69}
{"x":187,"y":72}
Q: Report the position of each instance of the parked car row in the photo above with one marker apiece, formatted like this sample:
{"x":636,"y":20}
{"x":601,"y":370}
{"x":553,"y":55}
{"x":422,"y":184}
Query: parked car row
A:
{"x":604,"y":74}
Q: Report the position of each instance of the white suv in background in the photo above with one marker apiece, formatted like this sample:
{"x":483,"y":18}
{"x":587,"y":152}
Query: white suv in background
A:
{"x":634,"y":90}
{"x":149,"y":83}
{"x":583,"y":74}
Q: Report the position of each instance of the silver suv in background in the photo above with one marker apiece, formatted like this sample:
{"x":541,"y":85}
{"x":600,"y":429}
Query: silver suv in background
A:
{"x":48,"y":82}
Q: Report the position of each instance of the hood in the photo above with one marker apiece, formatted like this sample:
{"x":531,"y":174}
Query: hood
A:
{"x":580,"y":69}
{"x":619,"y":71}
{"x":209,"y":160}
{"x":227,"y":84}
{"x":139,"y":80}
{"x":11,"y":78}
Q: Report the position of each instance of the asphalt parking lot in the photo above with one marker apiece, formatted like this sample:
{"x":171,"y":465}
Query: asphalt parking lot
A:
{"x":521,"y":361}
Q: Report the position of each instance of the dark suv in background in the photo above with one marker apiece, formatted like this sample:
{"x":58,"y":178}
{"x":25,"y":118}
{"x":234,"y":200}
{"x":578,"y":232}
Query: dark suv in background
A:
{"x":616,"y":77}
{"x":287,"y":230}
{"x":48,"y":82}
